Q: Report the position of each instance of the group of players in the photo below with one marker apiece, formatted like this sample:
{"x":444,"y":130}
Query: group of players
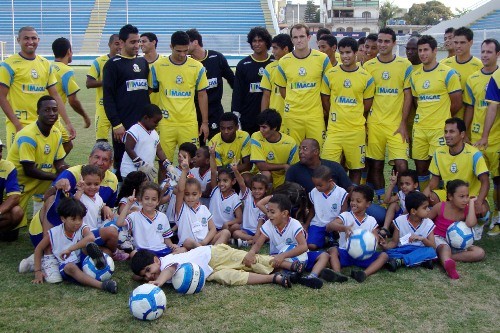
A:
{"x":354,"y":98}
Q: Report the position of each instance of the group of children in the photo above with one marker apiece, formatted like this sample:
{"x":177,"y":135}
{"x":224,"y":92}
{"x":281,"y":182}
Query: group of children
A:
{"x":160,"y":227}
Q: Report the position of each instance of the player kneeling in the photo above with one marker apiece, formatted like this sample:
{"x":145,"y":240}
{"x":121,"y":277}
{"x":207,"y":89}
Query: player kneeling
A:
{"x":67,"y":241}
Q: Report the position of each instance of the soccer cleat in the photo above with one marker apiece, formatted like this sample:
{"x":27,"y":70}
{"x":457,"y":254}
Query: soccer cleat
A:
{"x":311,"y":282}
{"x":495,"y":220}
{"x":429,"y":264}
{"x":450,"y":266}
{"x":50,"y":266}
{"x":359,"y":276}
{"x":329,"y":275}
{"x":495,"y":231}
{"x":94,"y":252}
{"x":27,"y":264}
{"x":232,"y":241}
{"x":393,"y":264}
{"x":242,"y":243}
{"x":120,"y":255}
{"x":478,"y":231}
{"x":110,"y":286}
{"x":126,"y":246}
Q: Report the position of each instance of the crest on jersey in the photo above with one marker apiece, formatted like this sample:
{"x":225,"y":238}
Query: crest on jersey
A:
{"x":289,"y":241}
{"x":160,"y":227}
{"x":136,"y":68}
{"x":227,"y":210}
{"x":46,"y":149}
{"x":230,"y":154}
{"x":426,"y":84}
{"x":334,"y":206}
{"x":204,"y":222}
{"x":261,"y":71}
{"x":270,"y":156}
{"x":347,"y":83}
{"x":214,"y":126}
{"x":34,"y":74}
{"x":453,"y":168}
{"x":386,"y":75}
{"x":302,"y":71}
{"x":179,"y":79}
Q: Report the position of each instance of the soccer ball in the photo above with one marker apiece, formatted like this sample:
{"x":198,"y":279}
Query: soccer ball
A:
{"x":147,"y":302}
{"x":459,"y":235}
{"x":88,"y":267}
{"x":302,"y":257}
{"x":362,"y":244}
{"x":188,"y":279}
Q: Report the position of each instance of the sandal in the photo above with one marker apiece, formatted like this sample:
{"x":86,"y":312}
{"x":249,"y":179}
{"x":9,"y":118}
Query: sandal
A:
{"x":298,"y":266}
{"x":285,"y":280}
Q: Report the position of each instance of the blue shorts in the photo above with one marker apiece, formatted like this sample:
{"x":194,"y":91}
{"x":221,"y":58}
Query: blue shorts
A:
{"x":316,"y":235}
{"x":312,"y":256}
{"x":160,"y":253}
{"x":249,"y":232}
{"x":98,"y":240}
{"x":112,"y":223}
{"x":65,"y":276}
{"x":346,"y":260}
{"x":35,"y":239}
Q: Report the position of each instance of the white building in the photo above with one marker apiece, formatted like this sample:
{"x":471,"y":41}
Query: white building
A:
{"x":350,"y":15}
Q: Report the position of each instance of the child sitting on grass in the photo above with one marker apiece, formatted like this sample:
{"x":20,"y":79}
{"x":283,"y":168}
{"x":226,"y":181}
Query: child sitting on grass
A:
{"x":407,"y":182}
{"x":361,"y":198}
{"x":459,"y":207}
{"x":67,"y":241}
{"x":220,"y":263}
{"x":412,"y":242}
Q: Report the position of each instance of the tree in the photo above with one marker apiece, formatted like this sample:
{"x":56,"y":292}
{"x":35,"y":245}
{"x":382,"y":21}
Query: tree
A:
{"x":310,"y":13}
{"x":460,"y":12}
{"x":388,"y":11}
{"x":429,"y":13}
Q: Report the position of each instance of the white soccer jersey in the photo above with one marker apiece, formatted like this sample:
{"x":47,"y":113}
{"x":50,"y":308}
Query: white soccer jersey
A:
{"x":404,"y":226}
{"x":59,"y":242}
{"x":193,"y":223}
{"x":251,"y":213}
{"x":203,"y":179}
{"x":94,"y":206}
{"x":223,"y":208}
{"x":136,"y":204}
{"x":402,"y":201}
{"x":278,"y":239}
{"x":327,"y":206}
{"x":348,"y":219}
{"x":149,"y":233}
{"x":200,"y":255}
{"x":145,"y":147}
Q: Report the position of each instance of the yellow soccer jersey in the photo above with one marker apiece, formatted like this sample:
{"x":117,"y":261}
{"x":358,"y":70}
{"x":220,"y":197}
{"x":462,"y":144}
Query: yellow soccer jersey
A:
{"x":347,"y":90}
{"x":227,"y":153}
{"x":268,"y":83}
{"x":302,"y":80}
{"x":154,"y":97}
{"x":30,"y":145}
{"x":390,"y":80}
{"x":493,"y":91}
{"x":66,"y":84}
{"x":464,"y":70}
{"x":285,"y":151}
{"x":431,"y":89}
{"x":27,"y":81}
{"x":8,"y":179}
{"x":177,"y":86}
{"x":96,"y":72}
{"x":475,"y":95}
{"x":468,"y":165}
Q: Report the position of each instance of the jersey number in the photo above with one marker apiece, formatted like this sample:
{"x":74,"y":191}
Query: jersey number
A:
{"x":21,"y":114}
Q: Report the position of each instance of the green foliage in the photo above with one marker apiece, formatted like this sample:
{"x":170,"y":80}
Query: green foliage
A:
{"x":388,"y":11}
{"x":311,"y":14}
{"x":429,"y":13}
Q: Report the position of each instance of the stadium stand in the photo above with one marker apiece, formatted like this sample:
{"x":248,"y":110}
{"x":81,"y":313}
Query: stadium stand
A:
{"x":490,"y":21}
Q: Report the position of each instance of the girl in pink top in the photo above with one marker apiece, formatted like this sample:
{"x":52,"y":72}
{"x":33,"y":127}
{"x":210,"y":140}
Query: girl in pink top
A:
{"x":458,"y":207}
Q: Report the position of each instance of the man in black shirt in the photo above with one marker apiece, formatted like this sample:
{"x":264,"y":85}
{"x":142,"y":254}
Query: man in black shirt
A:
{"x":217,"y":68}
{"x":247,"y":94}
{"x":125,"y":89}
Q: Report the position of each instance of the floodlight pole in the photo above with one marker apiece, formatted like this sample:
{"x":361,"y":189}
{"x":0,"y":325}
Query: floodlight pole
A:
{"x":13,"y":27}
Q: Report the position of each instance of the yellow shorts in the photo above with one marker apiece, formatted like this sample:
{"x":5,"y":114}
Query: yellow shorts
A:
{"x":380,"y":137}
{"x":229,"y":269}
{"x":65,"y":134}
{"x":425,"y":142}
{"x":299,"y":129}
{"x":102,"y":125}
{"x":27,"y":196}
{"x":491,"y":155}
{"x":173,"y":136}
{"x":35,"y":227}
{"x":351,"y":144}
{"x":10,"y":133}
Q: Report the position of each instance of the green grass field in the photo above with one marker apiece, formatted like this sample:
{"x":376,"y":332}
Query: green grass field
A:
{"x":411,"y":300}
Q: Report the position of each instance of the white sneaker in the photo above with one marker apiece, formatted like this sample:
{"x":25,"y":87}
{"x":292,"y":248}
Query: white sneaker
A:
{"x":242,"y":243}
{"x":126,"y":245}
{"x":478,"y":231}
{"x":27,"y":264}
{"x":50,"y":267}
{"x":494,"y":220}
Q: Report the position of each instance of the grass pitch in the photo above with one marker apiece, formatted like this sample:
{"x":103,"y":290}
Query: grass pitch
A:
{"x":411,"y":300}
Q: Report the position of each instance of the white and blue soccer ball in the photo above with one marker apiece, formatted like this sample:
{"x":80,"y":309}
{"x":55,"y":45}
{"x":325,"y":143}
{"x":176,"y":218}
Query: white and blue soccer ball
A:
{"x":302,"y":257}
{"x":147,"y":302}
{"x":88,"y":267}
{"x":188,"y":279}
{"x":362,"y":244}
{"x":459,"y":235}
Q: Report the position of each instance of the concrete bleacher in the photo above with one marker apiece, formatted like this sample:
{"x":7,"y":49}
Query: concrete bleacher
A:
{"x":490,"y":21}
